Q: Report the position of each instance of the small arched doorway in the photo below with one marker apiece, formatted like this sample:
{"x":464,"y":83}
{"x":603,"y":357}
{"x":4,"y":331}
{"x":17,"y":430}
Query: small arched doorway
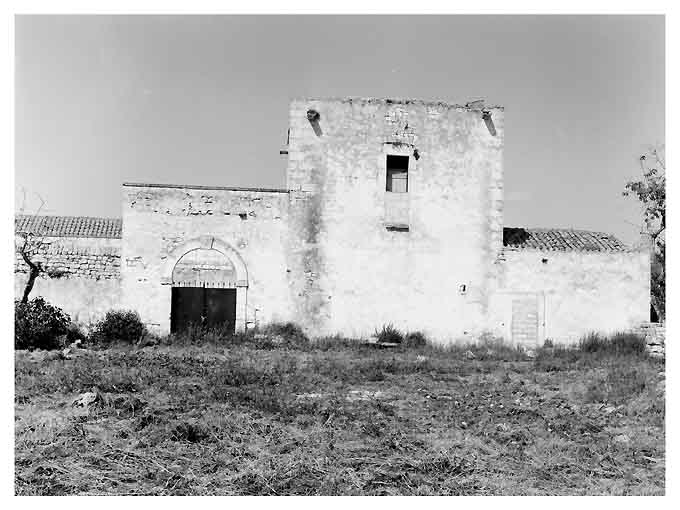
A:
{"x":204,"y":289}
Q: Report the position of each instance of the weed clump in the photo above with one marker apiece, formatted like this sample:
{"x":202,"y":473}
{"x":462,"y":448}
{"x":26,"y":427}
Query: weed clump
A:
{"x":189,"y":431}
{"x":200,"y":335}
{"x":415,"y":339}
{"x":272,"y":336}
{"x":287,"y":333}
{"x":389,"y":335}
{"x":493,"y":347}
{"x":337,"y":343}
{"x":617,"y":344}
{"x":617,"y":385}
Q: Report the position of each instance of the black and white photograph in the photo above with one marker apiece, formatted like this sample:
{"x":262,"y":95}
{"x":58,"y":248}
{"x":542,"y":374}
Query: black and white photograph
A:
{"x":336,"y":254}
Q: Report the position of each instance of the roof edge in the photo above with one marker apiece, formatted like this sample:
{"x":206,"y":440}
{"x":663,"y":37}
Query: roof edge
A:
{"x":201,"y":186}
{"x":565,"y":229}
{"x":622,"y":248}
{"x":116,"y":234}
{"x":85,"y":217}
{"x":627,"y":249}
{"x":396,"y":100}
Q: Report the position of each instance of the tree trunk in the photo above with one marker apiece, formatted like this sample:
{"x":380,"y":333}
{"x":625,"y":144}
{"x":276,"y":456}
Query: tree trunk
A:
{"x":35,"y":270}
{"x":29,"y":284}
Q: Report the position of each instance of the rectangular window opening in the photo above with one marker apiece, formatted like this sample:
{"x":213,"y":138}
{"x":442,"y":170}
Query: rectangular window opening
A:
{"x":397,"y":174}
{"x":397,"y":228}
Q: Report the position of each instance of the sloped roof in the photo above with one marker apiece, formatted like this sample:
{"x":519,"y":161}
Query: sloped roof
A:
{"x":69,"y":226}
{"x":560,"y":239}
{"x":556,"y":239}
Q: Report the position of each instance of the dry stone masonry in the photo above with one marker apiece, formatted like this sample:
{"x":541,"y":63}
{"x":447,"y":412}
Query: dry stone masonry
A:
{"x":82,"y":258}
{"x":64,"y":260}
{"x":655,"y":336}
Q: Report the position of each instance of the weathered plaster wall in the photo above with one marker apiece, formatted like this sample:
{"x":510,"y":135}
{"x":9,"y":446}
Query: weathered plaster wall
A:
{"x":577,"y":292}
{"x":162,"y":223}
{"x":89,"y":285}
{"x":356,"y":275}
{"x":336,"y":253}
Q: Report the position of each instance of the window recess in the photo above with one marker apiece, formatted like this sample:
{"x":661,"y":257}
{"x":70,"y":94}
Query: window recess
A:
{"x":397,"y":174}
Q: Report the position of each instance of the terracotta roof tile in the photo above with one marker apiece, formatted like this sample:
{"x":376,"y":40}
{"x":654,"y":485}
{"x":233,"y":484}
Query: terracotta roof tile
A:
{"x":69,"y":226}
{"x":518,"y":238}
{"x":560,"y":239}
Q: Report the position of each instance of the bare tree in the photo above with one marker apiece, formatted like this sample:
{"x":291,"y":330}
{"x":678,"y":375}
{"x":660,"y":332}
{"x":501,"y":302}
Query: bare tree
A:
{"x":650,"y":190}
{"x":30,"y":245}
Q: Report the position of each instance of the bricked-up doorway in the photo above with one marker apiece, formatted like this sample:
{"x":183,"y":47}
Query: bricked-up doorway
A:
{"x":202,"y":307}
{"x":524,"y":327}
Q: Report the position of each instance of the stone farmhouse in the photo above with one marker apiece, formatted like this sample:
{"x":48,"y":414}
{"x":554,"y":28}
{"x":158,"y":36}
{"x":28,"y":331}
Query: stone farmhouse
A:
{"x":392,"y":214}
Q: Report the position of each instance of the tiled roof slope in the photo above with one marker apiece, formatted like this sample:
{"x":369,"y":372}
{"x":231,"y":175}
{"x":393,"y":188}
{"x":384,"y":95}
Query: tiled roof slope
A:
{"x":69,"y":226}
{"x":518,"y":238}
{"x":559,"y":239}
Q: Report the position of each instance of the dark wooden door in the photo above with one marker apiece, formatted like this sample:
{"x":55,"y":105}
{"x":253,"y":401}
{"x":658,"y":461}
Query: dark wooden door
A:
{"x":187,"y":308}
{"x":202,"y":307}
{"x":221,"y":308}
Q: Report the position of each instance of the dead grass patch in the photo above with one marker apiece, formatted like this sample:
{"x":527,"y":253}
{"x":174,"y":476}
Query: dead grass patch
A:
{"x":237,"y":419}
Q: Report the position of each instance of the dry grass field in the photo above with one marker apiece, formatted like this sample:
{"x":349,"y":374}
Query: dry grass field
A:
{"x":235,"y":417}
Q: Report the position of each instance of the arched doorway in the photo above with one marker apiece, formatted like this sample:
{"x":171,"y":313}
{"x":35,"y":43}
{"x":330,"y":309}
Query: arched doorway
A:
{"x":204,"y":291}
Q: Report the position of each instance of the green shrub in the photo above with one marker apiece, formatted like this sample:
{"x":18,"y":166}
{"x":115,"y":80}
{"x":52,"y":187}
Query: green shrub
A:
{"x":39,"y":325}
{"x":121,"y":325}
{"x":616,"y":344}
{"x":389,"y":335}
{"x":415,"y":339}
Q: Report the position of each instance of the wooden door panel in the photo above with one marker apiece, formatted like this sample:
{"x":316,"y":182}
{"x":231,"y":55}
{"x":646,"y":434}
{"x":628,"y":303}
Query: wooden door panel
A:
{"x":221,"y":308}
{"x":200,"y":306}
{"x":187,"y":308}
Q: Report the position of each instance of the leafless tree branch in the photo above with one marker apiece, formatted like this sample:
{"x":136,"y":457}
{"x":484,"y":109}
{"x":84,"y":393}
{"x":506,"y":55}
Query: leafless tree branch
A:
{"x":30,"y":248}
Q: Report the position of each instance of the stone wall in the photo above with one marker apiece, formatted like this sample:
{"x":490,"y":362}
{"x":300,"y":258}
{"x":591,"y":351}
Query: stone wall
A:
{"x":353,"y":270}
{"x":576,"y":292}
{"x":78,"y":257}
{"x":163,"y":223}
{"x":87,"y":276}
{"x":655,"y":336}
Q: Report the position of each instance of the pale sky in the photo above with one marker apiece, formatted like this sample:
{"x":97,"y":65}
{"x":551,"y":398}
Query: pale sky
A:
{"x":101,"y":100}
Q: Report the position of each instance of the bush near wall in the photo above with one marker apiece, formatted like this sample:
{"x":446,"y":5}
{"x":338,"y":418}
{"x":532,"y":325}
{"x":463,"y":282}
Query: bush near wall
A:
{"x":118,"y":325}
{"x":39,"y":325}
